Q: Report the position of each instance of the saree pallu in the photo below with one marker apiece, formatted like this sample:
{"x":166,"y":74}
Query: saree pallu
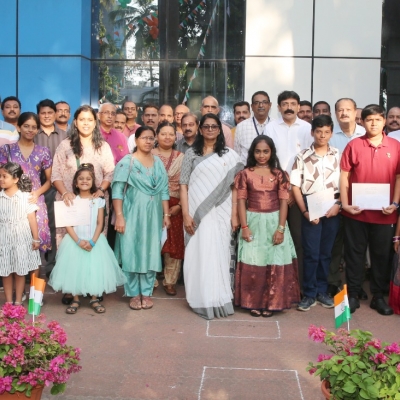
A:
{"x":207,"y":254}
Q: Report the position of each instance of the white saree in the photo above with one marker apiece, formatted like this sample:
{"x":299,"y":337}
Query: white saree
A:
{"x":207,"y":253}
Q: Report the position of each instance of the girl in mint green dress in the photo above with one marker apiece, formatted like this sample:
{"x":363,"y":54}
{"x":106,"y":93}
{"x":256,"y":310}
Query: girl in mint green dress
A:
{"x":140,"y":198}
{"x":85,"y":262}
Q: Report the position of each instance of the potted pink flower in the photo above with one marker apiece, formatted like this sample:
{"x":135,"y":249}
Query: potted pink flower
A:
{"x":357,"y":366}
{"x":33,"y":355}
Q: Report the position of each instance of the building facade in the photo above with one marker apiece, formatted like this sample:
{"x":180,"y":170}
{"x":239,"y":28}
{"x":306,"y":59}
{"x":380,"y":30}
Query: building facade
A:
{"x":174,"y":51}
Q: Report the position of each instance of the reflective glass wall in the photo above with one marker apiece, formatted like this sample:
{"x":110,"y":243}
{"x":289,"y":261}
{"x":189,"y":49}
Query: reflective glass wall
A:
{"x":169,"y":51}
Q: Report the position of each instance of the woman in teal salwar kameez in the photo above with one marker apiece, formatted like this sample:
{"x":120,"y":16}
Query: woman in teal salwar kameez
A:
{"x":140,"y":198}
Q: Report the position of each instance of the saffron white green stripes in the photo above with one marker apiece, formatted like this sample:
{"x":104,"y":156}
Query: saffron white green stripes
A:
{"x":342,"y":309}
{"x":36,"y":295}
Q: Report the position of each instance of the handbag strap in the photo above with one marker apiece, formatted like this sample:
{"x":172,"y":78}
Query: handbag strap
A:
{"x":8,"y":152}
{"x":129,"y":173}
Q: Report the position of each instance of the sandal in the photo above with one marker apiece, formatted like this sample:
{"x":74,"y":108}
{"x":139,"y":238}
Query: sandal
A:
{"x":73,"y":309}
{"x":146,"y":303}
{"x":100,"y":309}
{"x":267,"y":314}
{"x":67,"y":299}
{"x":135,"y":303}
{"x":255,"y":313}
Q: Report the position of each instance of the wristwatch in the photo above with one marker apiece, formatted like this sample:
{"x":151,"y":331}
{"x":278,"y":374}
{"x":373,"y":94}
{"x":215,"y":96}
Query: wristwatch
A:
{"x":339,"y":203}
{"x":100,"y":188}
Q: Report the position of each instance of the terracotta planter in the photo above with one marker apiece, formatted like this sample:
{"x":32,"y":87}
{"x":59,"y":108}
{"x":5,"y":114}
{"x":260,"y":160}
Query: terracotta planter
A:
{"x":325,"y":389}
{"x":36,"y":394}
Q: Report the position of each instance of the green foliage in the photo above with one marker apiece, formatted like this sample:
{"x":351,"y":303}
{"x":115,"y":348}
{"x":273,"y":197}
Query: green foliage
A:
{"x":359,"y":367}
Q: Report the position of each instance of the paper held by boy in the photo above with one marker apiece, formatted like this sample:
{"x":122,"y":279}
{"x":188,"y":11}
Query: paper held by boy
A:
{"x":371,"y":196}
{"x":74,"y":215}
{"x":319,"y":203}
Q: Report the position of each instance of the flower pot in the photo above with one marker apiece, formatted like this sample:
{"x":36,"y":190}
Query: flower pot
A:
{"x":36,"y":394}
{"x":325,"y":389}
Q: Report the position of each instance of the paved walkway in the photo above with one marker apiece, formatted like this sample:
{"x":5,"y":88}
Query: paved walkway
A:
{"x":168,"y":352}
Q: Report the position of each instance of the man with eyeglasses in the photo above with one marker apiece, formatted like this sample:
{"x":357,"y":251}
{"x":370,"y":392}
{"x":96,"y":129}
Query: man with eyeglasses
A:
{"x":179,"y":111}
{"x":130,"y":109}
{"x":49,"y":135}
{"x":210,"y":105}
{"x":116,"y":140}
{"x":63,"y":113}
{"x":8,"y":131}
{"x":249,"y":129}
{"x":190,"y":126}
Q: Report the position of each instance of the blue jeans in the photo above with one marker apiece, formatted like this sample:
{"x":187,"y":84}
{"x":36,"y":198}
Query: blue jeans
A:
{"x":317,"y":243}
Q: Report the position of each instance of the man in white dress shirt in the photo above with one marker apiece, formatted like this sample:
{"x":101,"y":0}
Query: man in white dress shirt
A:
{"x":291,"y":135}
{"x":249,"y":129}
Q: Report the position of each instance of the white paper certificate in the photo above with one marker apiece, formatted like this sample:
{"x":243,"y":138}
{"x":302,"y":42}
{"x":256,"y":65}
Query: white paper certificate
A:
{"x":164,"y":236}
{"x":74,"y":215}
{"x":371,"y":196}
{"x":319,"y":203}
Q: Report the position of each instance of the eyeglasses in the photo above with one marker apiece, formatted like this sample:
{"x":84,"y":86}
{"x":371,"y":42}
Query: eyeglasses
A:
{"x":112,"y":113}
{"x":148,"y":138}
{"x":178,"y":113}
{"x":210,"y":127}
{"x":261,"y":103}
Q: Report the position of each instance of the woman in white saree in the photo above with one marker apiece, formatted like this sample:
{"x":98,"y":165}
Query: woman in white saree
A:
{"x":210,"y":213}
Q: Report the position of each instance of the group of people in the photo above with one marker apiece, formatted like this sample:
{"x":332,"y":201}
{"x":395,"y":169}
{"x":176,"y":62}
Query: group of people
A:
{"x":231,"y":205}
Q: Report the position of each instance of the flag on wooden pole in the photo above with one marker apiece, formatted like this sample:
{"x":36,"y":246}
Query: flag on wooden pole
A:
{"x":342,"y":309}
{"x":36,"y":295}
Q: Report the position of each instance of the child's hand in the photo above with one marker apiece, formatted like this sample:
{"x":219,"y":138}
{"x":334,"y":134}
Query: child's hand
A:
{"x":315,"y":221}
{"x":277,"y":238}
{"x":33,"y":198}
{"x":247,"y":234}
{"x":354,"y":210}
{"x":174,"y":210}
{"x":389,"y":210}
{"x":35,"y":245}
{"x":83,"y":244}
{"x":333,"y":211}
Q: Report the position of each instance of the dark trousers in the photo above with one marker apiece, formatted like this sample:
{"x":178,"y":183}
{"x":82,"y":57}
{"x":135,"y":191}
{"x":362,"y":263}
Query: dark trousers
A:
{"x":294,"y":222}
{"x":334,"y":277}
{"x":357,"y":236}
{"x":50,"y":256}
{"x":317,"y":249}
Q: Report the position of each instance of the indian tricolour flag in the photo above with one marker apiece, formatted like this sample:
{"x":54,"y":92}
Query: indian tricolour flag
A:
{"x":36,"y":295}
{"x":342,"y":309}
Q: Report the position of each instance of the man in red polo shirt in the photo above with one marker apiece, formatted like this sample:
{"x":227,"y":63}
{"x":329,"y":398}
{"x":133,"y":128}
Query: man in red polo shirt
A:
{"x":372,"y":158}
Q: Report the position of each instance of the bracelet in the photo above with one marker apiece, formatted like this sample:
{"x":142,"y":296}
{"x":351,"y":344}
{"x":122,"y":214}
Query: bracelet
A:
{"x":78,"y":241}
{"x":281,"y":229}
{"x":396,"y":204}
{"x":101,"y":189}
{"x":304,"y":212}
{"x":167,"y":215}
{"x":396,"y":239}
{"x":245,"y":227}
{"x":62,"y":196}
{"x":92,"y":243}
{"x":35,"y":241}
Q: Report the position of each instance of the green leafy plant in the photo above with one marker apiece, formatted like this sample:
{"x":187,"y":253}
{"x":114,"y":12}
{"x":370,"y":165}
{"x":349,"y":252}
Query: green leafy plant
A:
{"x":33,"y":354}
{"x":358,"y":366}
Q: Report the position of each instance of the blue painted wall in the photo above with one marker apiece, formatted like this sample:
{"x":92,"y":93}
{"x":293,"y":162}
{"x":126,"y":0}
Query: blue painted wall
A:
{"x":52,"y":56}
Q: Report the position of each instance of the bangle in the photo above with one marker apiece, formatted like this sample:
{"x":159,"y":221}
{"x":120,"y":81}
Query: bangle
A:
{"x":396,"y":239}
{"x":304,"y":212}
{"x":62,"y":196}
{"x":245,"y":227}
{"x":92,"y":243}
{"x":167,"y":215}
{"x":35,"y":241}
{"x":78,"y":241}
